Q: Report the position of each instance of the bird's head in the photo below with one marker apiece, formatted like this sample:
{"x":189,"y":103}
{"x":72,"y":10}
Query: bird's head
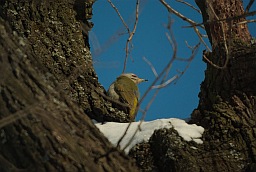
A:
{"x":134,"y":78}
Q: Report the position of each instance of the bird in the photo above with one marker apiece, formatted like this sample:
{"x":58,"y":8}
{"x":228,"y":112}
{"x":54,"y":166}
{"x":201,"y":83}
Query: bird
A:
{"x":125,"y":90}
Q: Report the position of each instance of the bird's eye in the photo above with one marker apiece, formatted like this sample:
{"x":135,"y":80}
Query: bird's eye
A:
{"x":135,"y":76}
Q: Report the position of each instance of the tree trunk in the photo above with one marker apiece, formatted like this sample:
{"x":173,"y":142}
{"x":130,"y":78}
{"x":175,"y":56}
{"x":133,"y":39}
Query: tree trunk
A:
{"x":49,"y":88}
{"x":227,"y":107}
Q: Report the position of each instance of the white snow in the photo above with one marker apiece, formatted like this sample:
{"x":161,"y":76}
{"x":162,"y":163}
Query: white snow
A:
{"x":114,"y":131}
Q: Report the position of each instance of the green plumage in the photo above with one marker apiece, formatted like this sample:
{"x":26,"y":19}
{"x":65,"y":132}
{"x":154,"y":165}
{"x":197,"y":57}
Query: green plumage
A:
{"x":128,"y":93}
{"x":124,"y":89}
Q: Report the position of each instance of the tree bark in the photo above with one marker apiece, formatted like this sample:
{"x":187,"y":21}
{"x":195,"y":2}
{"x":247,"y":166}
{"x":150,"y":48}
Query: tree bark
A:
{"x":49,"y":88}
{"x":227,"y":106}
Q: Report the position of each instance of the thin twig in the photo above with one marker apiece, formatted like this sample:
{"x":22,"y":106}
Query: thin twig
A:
{"x":165,"y":83}
{"x":169,"y":40}
{"x":155,"y":94}
{"x":149,"y":89}
{"x":201,"y":39}
{"x":171,"y":10}
{"x":110,"y":99}
{"x":191,"y":6}
{"x":190,"y":47}
{"x":211,"y":63}
{"x":151,"y":66}
{"x":223,"y":34}
{"x":193,"y":24}
{"x":16,"y":116}
{"x":165,"y":71}
{"x":191,"y":57}
{"x":223,"y":19}
{"x":194,"y":50}
{"x":120,"y":16}
{"x":249,"y":6}
{"x":131,"y":34}
{"x":142,"y":120}
{"x":246,"y":21}
{"x":128,"y":42}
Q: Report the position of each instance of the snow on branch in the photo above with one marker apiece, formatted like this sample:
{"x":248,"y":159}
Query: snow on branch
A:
{"x":188,"y":132}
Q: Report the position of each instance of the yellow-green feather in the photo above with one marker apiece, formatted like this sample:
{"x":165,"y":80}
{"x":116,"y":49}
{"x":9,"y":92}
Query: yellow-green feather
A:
{"x":128,"y":93}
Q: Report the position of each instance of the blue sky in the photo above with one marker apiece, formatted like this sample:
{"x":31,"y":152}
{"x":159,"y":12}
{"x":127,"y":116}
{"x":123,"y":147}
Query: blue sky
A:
{"x":108,"y":38}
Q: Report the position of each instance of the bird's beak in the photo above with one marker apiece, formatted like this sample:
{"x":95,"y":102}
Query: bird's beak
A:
{"x":142,"y":80}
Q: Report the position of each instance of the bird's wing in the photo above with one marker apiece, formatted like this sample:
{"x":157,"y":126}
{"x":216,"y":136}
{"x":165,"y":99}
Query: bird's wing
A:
{"x":127,"y":91}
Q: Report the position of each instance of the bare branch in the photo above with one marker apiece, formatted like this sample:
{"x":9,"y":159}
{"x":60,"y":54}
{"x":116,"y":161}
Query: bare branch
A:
{"x":201,"y":39}
{"x":165,"y":83}
{"x":211,"y":63}
{"x":190,"y":47}
{"x":223,"y":34}
{"x":165,"y":70}
{"x":131,"y":34}
{"x":154,"y":96}
{"x":194,"y":50}
{"x":246,"y":21}
{"x":169,"y":39}
{"x":171,"y":10}
{"x":141,"y":121}
{"x":151,"y":66}
{"x":110,"y":99}
{"x":120,"y":16}
{"x":224,"y":19}
{"x":124,"y":134}
{"x":163,"y":75}
{"x":16,"y":116}
{"x":191,"y":6}
{"x":148,"y":90}
{"x":249,"y":6}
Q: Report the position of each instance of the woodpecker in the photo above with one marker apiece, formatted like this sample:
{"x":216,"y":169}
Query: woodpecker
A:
{"x":125,"y":90}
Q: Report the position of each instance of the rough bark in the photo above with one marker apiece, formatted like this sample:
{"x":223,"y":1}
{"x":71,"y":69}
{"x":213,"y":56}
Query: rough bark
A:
{"x":48,"y":88}
{"x":227,"y":107}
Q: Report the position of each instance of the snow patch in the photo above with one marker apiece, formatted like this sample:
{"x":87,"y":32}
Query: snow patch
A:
{"x":114,"y":131}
